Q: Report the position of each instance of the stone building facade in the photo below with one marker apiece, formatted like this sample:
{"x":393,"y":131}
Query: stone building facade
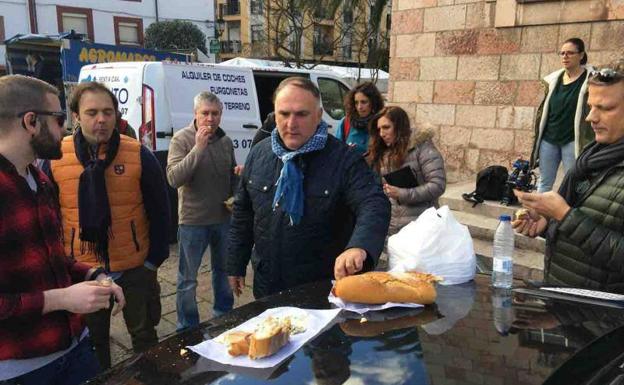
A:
{"x":472,"y":69}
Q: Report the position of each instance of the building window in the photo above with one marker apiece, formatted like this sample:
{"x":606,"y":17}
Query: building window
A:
{"x":234,"y":30}
{"x":256,"y":32}
{"x":78,"y":19}
{"x":2,"y":28}
{"x":320,"y":12}
{"x":346,"y":46}
{"x":230,"y":8}
{"x":257,"y":7}
{"x":323,"y":40}
{"x":347,"y":16}
{"x":128,"y":31}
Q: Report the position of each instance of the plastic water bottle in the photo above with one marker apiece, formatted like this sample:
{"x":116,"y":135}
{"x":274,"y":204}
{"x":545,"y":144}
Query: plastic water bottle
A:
{"x":503,"y":313}
{"x":502,"y":272}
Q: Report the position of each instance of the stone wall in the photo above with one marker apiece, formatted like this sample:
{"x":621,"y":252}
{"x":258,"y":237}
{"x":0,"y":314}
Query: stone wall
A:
{"x":479,"y":85}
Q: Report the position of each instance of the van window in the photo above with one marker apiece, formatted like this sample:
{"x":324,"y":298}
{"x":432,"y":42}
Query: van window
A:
{"x":266,"y":83}
{"x":332,"y":94}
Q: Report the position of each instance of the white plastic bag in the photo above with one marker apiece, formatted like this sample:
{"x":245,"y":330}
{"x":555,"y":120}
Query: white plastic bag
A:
{"x":434,"y":243}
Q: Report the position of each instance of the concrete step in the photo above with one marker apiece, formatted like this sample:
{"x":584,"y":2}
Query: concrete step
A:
{"x":482,"y":221}
{"x":483,"y":227}
{"x":452,"y":197}
{"x":528,"y":264}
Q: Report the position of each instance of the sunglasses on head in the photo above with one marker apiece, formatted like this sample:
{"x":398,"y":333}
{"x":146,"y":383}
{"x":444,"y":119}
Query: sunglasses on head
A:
{"x":606,"y":75}
{"x":59,"y":115}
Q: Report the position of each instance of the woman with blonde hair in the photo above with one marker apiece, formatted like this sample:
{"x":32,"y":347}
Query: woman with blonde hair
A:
{"x":395,"y":146}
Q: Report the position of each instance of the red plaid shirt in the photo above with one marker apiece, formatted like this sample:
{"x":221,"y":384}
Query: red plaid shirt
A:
{"x":32,"y":260}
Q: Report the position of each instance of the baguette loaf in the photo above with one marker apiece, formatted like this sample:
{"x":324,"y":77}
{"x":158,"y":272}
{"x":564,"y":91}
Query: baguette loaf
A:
{"x":356,"y":328}
{"x":238,"y":343}
{"x":378,"y":287}
{"x":268,"y":338}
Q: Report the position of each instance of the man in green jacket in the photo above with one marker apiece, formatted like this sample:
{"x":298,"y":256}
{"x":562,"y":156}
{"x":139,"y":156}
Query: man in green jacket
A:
{"x":584,"y":221}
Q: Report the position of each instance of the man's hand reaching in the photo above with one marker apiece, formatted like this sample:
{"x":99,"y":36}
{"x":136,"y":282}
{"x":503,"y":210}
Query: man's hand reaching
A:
{"x":549,"y":204}
{"x":349,"y":262}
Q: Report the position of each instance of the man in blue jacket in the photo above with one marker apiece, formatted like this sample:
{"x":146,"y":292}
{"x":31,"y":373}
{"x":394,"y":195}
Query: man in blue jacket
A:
{"x":308,"y":202}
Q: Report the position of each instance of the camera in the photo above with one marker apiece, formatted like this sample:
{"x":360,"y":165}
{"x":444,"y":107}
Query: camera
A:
{"x":521,"y":178}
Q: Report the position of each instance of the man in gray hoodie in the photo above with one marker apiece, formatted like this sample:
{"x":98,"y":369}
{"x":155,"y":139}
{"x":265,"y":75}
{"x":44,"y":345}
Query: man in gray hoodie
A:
{"x":201,"y":166}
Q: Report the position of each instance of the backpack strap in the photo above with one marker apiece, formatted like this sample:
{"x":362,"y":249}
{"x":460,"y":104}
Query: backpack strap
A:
{"x":473,"y":197}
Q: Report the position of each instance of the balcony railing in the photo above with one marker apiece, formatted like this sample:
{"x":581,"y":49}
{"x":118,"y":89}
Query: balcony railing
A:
{"x":231,"y":46}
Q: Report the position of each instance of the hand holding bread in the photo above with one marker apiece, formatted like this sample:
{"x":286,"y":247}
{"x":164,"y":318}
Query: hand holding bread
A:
{"x":528,"y":222}
{"x":229,"y":204}
{"x":120,"y":301}
{"x":549,"y":204}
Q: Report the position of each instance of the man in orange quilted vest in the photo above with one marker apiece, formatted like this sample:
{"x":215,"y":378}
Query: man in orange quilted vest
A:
{"x":115,"y":212}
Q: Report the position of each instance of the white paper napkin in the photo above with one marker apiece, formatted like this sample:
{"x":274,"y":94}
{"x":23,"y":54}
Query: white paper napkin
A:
{"x":362,"y":308}
{"x":317,"y":321}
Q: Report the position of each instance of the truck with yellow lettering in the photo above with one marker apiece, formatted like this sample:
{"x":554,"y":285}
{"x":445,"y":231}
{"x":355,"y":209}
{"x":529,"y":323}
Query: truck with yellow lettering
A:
{"x":57,"y":59}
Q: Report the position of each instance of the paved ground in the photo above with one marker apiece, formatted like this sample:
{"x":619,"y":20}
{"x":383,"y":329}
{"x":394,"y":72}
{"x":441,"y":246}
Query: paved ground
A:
{"x":121,"y":347}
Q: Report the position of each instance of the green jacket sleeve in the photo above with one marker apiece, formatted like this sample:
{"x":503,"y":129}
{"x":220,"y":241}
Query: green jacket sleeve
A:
{"x":604,"y":245}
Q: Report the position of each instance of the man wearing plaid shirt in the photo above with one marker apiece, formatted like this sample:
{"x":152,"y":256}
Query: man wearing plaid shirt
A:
{"x":42,"y":291}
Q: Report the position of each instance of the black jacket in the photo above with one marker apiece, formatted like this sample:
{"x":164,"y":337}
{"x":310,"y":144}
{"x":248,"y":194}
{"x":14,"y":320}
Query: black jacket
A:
{"x":344,"y":208}
{"x":265,"y":131}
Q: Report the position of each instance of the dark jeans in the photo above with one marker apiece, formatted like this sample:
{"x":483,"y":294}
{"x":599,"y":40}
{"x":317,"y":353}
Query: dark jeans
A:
{"x":75,"y":367}
{"x":142,"y":314}
{"x":193,"y":242}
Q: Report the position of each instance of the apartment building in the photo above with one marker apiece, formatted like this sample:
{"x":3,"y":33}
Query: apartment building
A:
{"x":118,"y":22}
{"x":286,"y":30}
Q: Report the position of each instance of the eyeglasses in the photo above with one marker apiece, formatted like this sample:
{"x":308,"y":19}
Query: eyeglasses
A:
{"x":606,"y":75}
{"x":567,"y":53}
{"x":59,"y":115}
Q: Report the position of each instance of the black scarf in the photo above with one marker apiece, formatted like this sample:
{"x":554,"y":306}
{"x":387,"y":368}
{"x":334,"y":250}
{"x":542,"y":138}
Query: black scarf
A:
{"x":361,"y":124}
{"x":594,"y":159}
{"x":94,"y":213}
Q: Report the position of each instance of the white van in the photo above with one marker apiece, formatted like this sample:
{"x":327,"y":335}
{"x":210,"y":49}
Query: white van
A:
{"x":156,"y":98}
